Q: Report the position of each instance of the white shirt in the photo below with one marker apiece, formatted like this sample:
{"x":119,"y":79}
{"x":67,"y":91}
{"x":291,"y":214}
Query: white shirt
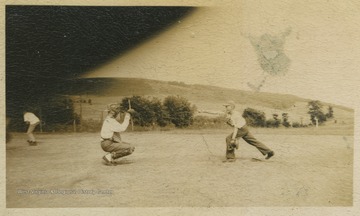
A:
{"x":110,"y":126}
{"x":30,"y":117}
{"x":236,"y":119}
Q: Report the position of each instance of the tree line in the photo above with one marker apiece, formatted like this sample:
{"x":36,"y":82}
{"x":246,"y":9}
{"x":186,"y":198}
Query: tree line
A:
{"x":59,"y":114}
{"x":174,"y":110}
{"x":257,"y":118}
{"x":178,"y":111}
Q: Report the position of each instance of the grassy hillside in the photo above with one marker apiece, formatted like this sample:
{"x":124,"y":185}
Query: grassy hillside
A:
{"x":102,"y":91}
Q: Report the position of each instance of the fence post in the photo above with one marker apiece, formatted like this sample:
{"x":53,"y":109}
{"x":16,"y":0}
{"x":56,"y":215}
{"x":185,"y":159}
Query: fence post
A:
{"x":74,"y":124}
{"x":131,"y":120}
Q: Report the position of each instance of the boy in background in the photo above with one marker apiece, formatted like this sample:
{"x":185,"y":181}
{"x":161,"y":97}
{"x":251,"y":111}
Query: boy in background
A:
{"x":31,"y":119}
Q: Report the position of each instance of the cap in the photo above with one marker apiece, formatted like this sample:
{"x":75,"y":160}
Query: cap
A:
{"x":229,"y":103}
{"x":113,"y":107}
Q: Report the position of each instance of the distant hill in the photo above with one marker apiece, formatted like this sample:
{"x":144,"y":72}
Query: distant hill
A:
{"x":102,"y":91}
{"x":129,"y":86}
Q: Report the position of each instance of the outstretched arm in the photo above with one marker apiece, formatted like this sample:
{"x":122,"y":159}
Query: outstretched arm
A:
{"x":211,"y":112}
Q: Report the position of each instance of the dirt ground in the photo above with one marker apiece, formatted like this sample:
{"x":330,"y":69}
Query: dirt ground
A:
{"x":180,"y":169}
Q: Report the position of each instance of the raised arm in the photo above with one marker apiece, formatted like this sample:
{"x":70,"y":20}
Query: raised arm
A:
{"x":211,"y":112}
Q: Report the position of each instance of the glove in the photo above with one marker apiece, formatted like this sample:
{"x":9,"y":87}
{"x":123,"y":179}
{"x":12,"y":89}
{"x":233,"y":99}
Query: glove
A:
{"x":230,"y":148}
{"x":234,"y":143}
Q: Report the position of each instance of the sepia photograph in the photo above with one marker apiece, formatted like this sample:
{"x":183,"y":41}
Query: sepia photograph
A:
{"x":181,"y":107}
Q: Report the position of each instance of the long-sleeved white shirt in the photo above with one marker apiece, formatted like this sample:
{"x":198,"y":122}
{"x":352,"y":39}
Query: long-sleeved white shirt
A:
{"x":110,"y":125}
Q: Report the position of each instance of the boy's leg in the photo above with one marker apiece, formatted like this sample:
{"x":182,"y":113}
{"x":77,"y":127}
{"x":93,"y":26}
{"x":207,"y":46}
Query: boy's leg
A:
{"x":122,"y":149}
{"x":117,"y":150}
{"x":30,"y":132}
{"x":249,"y":138}
{"x":230,"y":151}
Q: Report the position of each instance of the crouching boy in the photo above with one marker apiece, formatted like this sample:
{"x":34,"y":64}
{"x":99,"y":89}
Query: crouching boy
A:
{"x":110,"y":135}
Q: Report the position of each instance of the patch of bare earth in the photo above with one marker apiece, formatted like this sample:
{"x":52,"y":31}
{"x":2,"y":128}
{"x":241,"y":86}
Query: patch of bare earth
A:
{"x":180,"y":170}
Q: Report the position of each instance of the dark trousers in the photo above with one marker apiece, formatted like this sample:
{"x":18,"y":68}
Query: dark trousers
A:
{"x":118,"y":149}
{"x":249,"y":138}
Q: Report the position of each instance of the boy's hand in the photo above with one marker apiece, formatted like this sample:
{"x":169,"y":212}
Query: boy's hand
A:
{"x":131,"y":111}
{"x":229,"y":123}
{"x":234,"y":143}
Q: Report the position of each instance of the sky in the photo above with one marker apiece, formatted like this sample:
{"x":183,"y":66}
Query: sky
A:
{"x":46,"y":46}
{"x":212,"y":46}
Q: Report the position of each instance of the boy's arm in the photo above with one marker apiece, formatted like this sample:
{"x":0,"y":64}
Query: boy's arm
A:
{"x":233,"y":138}
{"x":120,"y":127}
{"x":26,"y":120}
{"x":211,"y":112}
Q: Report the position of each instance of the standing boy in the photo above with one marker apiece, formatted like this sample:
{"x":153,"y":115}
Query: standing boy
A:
{"x":33,"y":121}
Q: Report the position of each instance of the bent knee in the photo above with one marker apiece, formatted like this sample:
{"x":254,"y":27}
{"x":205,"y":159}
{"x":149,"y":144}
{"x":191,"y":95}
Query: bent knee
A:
{"x":129,"y":150}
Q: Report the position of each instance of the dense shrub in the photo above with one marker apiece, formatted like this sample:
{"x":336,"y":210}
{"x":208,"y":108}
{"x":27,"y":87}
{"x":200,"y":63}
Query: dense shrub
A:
{"x":150,"y":111}
{"x":180,"y":111}
{"x":273,"y":123}
{"x":330,"y":113}
{"x":254,"y":117}
{"x":145,"y":115}
{"x":315,"y":111}
{"x":161,"y":114}
{"x":285,"y":118}
{"x":296,"y":125}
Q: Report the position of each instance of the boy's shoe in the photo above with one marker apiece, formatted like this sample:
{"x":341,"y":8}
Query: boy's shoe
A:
{"x":107,"y":158}
{"x":269,"y":155}
{"x":33,"y":143}
{"x":229,"y":160}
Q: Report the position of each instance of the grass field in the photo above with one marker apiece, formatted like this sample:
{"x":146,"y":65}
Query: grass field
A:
{"x":181,"y":168}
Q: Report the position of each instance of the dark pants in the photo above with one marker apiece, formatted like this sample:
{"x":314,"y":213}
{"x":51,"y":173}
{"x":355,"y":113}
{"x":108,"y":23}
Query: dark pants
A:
{"x":118,"y":149}
{"x":249,"y":138}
